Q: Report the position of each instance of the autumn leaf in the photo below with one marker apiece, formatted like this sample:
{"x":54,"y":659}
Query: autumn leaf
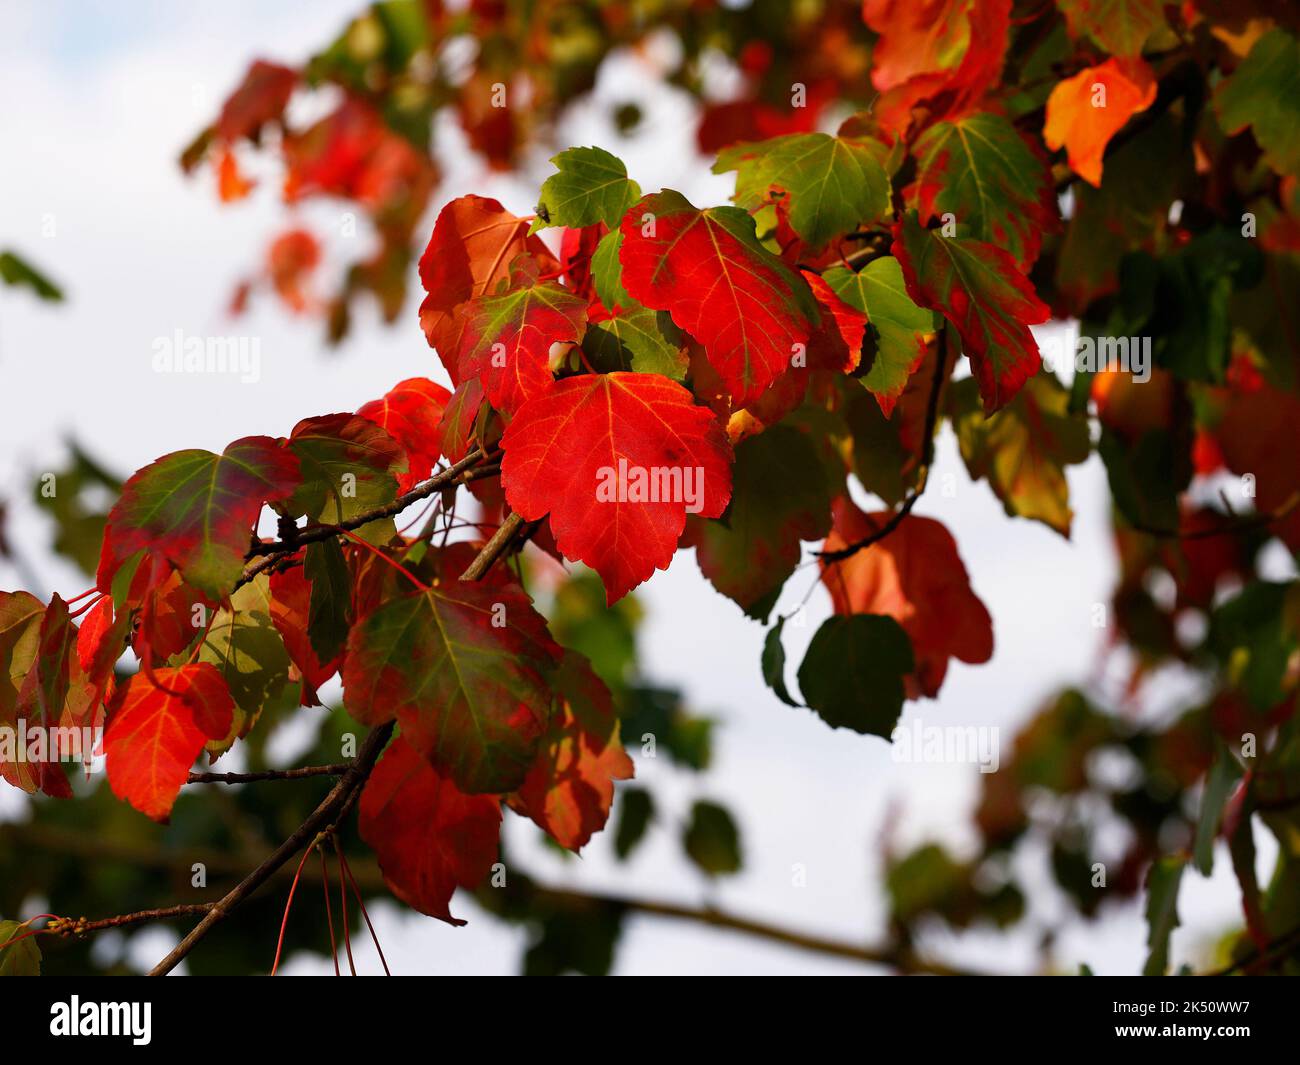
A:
{"x":708,"y":270}
{"x":348,"y":463}
{"x":1264,"y":93}
{"x":198,"y":509}
{"x":828,"y":185}
{"x":157,"y":726}
{"x":243,"y":643}
{"x":429,"y":836}
{"x":1121,"y":27}
{"x":915,"y":576}
{"x":899,"y":327}
{"x":570,"y":787}
{"x":507,"y":338}
{"x":592,"y":186}
{"x":52,"y":693}
{"x":853,"y":672}
{"x":978,"y":288}
{"x":464,"y":670}
{"x":290,"y":607}
{"x":943,"y":54}
{"x":780,"y":496}
{"x":990,"y":179}
{"x":637,"y":340}
{"x":410,"y":413}
{"x":1022,"y":450}
{"x":456,"y":427}
{"x":1084,"y":112}
{"x":616,"y":459}
{"x":260,"y":98}
{"x":474,"y":242}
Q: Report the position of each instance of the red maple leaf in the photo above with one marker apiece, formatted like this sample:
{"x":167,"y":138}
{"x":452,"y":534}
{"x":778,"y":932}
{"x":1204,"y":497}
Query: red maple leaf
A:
{"x":430,"y":837}
{"x":158,"y":724}
{"x":915,"y":576}
{"x":613,"y":458}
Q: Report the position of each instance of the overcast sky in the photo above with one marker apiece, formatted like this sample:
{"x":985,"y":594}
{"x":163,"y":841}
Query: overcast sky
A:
{"x":99,"y":99}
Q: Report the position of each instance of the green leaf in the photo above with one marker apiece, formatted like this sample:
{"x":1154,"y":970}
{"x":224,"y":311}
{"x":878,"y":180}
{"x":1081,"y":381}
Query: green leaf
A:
{"x":832,"y":183}
{"x":246,"y":648}
{"x":1162,"y":911}
{"x":17,"y":271}
{"x":329,"y":612}
{"x":349,"y":465}
{"x":898,"y":325}
{"x":22,"y":958}
{"x":780,"y":496}
{"x":1264,"y":93}
{"x":592,"y":186}
{"x":773,"y":663}
{"x":852,"y":674}
{"x":636,"y":811}
{"x":1023,"y":449}
{"x":984,"y":173}
{"x":636,"y":339}
{"x":1224,"y":773}
{"x":465,"y":670}
{"x":712,"y":840}
{"x":199,"y":510}
{"x":1121,"y":27}
{"x":607,"y":272}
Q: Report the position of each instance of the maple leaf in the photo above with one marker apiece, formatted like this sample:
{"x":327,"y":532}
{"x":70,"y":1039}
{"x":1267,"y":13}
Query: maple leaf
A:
{"x":780,"y":496}
{"x":830,"y":184}
{"x":52,"y":693}
{"x":429,"y":836}
{"x":464,"y":670}
{"x":991,"y":179}
{"x":1085,"y":111}
{"x":570,"y":787}
{"x":708,"y":270}
{"x":1121,"y":27}
{"x":456,"y":427}
{"x":157,"y":726}
{"x":945,"y":54}
{"x":613,"y":459}
{"x":506,"y":339}
{"x":1264,"y":93}
{"x":635,"y":339}
{"x":244,"y":644}
{"x":1023,"y":450}
{"x":198,"y":509}
{"x":915,"y":576}
{"x":901,"y":329}
{"x":979,"y":290}
{"x":592,"y":186}
{"x":260,"y":98}
{"x":473,"y":244}
{"x":290,"y":610}
{"x":854,"y":670}
{"x":410,"y":412}
{"x":348,"y":463}
{"x":836,"y":343}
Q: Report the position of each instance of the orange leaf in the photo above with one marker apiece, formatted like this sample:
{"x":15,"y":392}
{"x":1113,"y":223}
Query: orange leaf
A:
{"x":1085,"y":111}
{"x":157,"y":727}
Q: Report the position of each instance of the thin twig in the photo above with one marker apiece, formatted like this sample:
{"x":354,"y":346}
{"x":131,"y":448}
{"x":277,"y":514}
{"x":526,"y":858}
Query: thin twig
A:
{"x":336,"y":770}
{"x":927,"y":457}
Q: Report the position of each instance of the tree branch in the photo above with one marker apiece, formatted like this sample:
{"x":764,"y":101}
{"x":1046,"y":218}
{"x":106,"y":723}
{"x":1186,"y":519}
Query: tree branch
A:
{"x":337,"y":804}
{"x":336,"y":770}
{"x":927,"y":457}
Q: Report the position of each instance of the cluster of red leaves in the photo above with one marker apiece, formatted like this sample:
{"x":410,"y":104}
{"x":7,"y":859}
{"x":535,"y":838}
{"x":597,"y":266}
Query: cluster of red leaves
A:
{"x":661,"y":375}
